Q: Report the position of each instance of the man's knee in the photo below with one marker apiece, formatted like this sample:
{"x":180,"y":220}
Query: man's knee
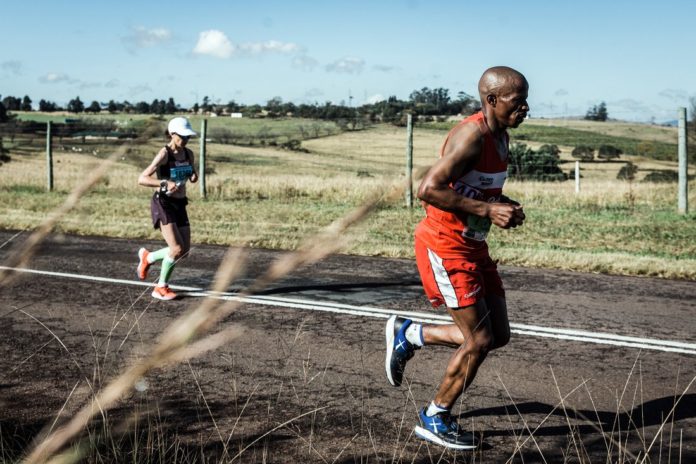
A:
{"x":471,"y":352}
{"x":501,"y":339}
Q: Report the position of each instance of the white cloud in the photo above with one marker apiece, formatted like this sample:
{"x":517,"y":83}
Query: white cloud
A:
{"x":348,"y":65}
{"x":384,"y":68}
{"x":677,"y":95}
{"x":12,"y":66}
{"x":256,"y":48}
{"x":138,"y":89}
{"x":89,"y":85}
{"x":57,"y":78}
{"x":375,"y":99}
{"x":304,"y":62}
{"x":141,"y":37}
{"x":313,"y":94}
{"x":560,"y":93}
{"x":112,"y":84}
{"x":214,"y":43}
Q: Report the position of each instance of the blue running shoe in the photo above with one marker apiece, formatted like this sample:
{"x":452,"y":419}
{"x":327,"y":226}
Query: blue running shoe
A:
{"x":399,"y":350}
{"x":442,"y":429}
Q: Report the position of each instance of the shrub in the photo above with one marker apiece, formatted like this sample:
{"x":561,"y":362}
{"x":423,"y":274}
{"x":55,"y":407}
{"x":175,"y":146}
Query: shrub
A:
{"x":583,"y":153}
{"x":662,"y":176}
{"x":527,"y":164}
{"x":4,"y":153}
{"x":627,"y":172}
{"x":552,"y":150}
{"x":608,"y":152}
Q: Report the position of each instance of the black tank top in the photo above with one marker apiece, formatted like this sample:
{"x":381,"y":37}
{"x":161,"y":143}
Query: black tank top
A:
{"x":174,"y":169}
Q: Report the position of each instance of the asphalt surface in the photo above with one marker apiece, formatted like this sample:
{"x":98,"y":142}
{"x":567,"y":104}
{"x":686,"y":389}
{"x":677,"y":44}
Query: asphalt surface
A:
{"x":305,"y":382}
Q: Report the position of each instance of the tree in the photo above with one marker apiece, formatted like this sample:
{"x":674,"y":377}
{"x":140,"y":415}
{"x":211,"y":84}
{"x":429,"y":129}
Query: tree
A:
{"x":232,"y":107}
{"x":608,"y":152}
{"x":47,"y":106}
{"x":583,"y":153}
{"x":273,"y":106}
{"x":93,"y":107}
{"x":692,"y":100}
{"x":157,"y":107}
{"x":597,"y":113}
{"x":3,"y":113}
{"x":170,"y":107}
{"x":26,"y":103}
{"x":75,"y":105}
{"x":205,"y":106}
{"x":142,"y":107}
{"x":111,"y":107}
{"x":12,"y":103}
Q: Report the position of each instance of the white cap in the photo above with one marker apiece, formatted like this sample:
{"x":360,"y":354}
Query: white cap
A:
{"x":180,"y":126}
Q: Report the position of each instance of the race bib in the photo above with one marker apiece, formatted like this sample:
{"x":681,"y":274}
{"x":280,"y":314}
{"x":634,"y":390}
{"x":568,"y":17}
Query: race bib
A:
{"x":180,"y":173}
{"x":477,"y":227}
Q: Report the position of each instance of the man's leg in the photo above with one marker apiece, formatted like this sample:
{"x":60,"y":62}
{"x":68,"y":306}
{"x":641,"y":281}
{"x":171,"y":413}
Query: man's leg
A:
{"x":472,"y":334}
{"x":500,"y":325}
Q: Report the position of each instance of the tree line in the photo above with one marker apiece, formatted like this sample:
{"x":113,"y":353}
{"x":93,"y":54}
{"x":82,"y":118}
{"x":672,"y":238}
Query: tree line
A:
{"x":421,"y":102}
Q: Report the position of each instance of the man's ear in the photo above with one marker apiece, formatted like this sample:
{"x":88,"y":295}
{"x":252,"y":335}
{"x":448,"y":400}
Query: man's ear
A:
{"x":491,"y":99}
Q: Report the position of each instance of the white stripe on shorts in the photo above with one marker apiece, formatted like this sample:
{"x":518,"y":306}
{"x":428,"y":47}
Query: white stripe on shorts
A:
{"x":442,"y":280}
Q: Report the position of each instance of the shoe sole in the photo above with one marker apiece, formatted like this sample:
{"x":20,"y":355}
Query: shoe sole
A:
{"x":389,"y":336}
{"x":431,"y":437}
{"x":163,"y":298}
{"x":141,"y":252}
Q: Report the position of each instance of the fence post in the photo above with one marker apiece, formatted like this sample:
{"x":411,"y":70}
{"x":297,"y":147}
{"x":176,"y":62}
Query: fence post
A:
{"x":201,"y":160}
{"x":409,"y":161}
{"x":49,"y":157}
{"x":683,"y":202}
{"x":577,"y":177}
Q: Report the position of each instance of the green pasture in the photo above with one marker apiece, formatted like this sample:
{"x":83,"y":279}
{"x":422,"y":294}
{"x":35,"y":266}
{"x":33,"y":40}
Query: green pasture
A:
{"x":652,"y":145}
{"x":265,"y":196}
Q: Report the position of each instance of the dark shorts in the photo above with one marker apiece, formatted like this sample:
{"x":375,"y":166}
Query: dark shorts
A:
{"x":166,"y":210}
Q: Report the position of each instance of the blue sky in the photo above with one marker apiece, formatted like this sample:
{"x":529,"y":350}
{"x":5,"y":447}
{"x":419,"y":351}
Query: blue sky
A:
{"x":634,"y":55}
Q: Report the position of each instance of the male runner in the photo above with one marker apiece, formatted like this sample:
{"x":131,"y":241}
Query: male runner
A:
{"x":462,"y":194}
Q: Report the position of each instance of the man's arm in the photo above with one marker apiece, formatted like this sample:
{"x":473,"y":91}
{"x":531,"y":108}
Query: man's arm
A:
{"x":462,"y":151}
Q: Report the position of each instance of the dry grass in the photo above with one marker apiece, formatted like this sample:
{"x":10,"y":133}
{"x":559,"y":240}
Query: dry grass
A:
{"x":638,"y":131}
{"x":188,"y":335}
{"x":273,"y":198}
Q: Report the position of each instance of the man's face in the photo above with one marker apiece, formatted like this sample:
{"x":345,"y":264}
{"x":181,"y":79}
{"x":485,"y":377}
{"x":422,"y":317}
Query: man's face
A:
{"x":512,"y":106}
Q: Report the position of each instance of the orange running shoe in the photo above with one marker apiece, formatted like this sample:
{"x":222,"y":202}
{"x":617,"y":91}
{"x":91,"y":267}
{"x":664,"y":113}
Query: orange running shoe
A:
{"x":163,"y":293}
{"x":143,"y":265}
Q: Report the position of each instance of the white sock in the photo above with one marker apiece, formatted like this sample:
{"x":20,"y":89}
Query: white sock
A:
{"x":414,"y":334}
{"x":434,"y":409}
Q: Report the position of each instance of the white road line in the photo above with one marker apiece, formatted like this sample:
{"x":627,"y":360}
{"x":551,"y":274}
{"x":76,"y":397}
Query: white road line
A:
{"x":367,"y":311}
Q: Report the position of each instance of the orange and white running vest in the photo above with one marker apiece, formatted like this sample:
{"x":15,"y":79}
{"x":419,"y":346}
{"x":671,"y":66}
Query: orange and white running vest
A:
{"x":452,"y":235}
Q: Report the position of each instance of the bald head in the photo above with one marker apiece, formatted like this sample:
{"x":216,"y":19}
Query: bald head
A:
{"x":500,"y":80}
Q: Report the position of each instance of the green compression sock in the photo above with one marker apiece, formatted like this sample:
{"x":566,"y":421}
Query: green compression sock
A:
{"x":167,"y":268}
{"x":158,"y":255}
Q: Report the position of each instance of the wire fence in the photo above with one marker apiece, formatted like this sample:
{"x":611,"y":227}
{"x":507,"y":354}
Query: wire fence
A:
{"x":631,"y":160}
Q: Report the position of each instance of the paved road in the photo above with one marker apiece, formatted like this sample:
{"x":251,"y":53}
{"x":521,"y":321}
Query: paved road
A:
{"x":618,"y":350}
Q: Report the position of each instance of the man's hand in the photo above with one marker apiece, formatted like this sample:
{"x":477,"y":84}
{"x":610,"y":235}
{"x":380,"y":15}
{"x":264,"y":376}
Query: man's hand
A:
{"x":505,"y":215}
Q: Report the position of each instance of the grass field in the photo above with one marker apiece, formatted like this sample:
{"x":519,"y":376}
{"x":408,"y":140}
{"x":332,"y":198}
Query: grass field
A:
{"x":269,"y":197}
